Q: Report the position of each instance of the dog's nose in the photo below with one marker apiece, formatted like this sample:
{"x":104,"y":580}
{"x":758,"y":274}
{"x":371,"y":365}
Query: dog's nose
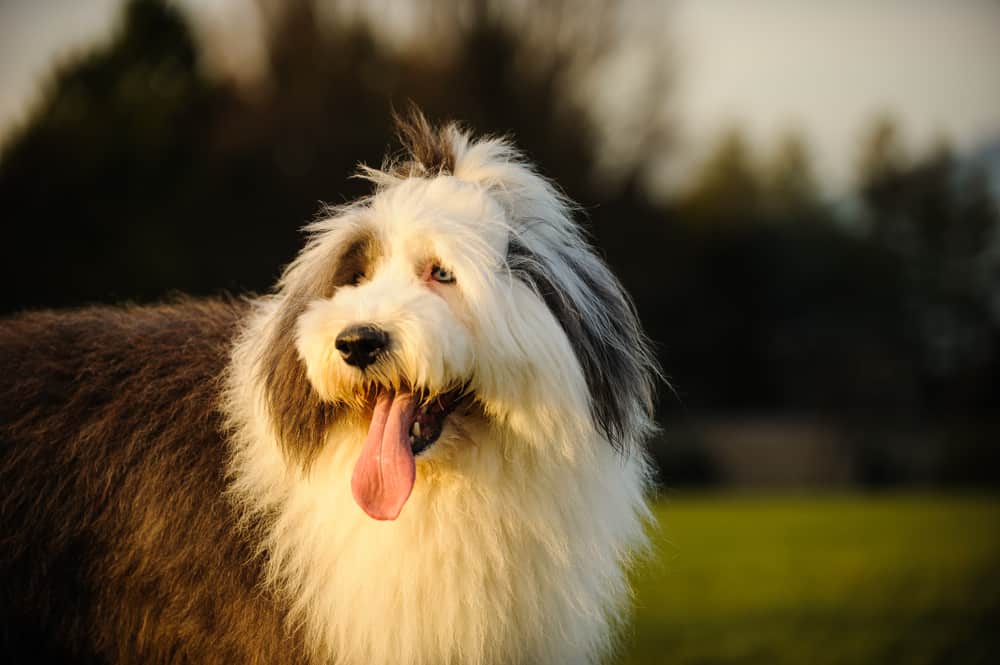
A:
{"x":361,"y":345}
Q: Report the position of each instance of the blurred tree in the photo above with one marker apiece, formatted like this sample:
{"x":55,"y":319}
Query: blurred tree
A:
{"x":137,"y":174}
{"x":726,"y":187}
{"x":881,"y":181}
{"x":882,"y":154}
{"x":114,"y":138}
{"x":938,"y":218}
{"x":175,"y":181}
{"x":799,"y":313}
{"x":789,"y":183}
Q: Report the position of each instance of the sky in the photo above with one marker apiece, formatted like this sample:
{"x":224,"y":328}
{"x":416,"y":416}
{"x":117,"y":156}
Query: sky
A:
{"x":822,"y":68}
{"x":827,"y":68}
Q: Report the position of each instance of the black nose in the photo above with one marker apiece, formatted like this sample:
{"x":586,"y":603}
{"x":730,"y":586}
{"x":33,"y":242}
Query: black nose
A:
{"x":361,"y":345}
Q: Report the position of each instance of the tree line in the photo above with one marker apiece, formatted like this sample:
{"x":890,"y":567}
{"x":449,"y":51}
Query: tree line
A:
{"x":138,"y":173}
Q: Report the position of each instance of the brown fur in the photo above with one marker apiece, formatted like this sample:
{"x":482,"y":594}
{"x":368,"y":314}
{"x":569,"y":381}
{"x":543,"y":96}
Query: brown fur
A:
{"x":300,"y":417}
{"x":117,"y":544}
{"x":354,"y":264}
{"x":428,"y":151}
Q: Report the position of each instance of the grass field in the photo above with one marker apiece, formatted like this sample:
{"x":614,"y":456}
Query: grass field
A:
{"x":880,"y":580}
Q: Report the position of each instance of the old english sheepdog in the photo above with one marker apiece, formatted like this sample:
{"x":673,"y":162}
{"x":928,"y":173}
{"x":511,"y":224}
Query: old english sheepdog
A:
{"x":423,"y":448}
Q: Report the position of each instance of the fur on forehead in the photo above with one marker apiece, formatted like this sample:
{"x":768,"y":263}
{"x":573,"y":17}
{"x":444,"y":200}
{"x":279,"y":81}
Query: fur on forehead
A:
{"x":489,"y":162}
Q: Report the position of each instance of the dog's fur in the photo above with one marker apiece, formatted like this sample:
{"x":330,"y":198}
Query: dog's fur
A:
{"x":176,"y":480}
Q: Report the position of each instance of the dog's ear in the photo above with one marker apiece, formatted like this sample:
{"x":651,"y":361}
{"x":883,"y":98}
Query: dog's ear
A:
{"x":603,"y":328}
{"x":299,"y":416}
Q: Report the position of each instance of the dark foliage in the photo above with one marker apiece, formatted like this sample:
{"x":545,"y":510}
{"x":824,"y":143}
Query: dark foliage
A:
{"x":138,"y":175}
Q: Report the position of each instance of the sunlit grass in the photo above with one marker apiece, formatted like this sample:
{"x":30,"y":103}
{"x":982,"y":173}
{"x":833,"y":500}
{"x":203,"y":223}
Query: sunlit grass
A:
{"x":893,"y":580}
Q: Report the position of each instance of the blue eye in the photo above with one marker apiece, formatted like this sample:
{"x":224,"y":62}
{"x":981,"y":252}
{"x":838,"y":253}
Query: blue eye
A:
{"x":442,"y":275}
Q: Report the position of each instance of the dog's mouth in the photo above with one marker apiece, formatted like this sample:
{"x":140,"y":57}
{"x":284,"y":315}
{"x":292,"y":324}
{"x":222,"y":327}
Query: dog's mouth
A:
{"x":429,"y":417}
{"x":404,"y":423}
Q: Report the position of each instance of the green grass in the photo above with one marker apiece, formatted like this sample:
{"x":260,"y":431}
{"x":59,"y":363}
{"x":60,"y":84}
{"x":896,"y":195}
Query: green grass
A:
{"x":893,"y":580}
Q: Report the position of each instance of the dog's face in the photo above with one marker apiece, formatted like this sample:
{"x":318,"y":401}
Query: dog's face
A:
{"x":414,"y":274}
{"x":445,"y":306}
{"x":403,"y":335}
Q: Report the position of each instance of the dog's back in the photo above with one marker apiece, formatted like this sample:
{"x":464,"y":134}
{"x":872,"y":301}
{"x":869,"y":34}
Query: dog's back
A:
{"x":116,"y":542}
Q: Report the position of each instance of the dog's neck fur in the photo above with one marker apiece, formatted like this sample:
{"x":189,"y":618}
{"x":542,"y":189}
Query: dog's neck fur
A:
{"x":503,"y":555}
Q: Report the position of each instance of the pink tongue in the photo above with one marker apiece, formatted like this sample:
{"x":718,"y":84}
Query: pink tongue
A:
{"x":385,"y":471}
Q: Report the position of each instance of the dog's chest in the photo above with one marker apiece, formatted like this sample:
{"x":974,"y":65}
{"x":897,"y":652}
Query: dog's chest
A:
{"x":462,"y":575}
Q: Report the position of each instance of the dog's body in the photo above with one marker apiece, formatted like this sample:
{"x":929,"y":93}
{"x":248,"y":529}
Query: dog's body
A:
{"x":422,"y":449}
{"x":118,"y":544}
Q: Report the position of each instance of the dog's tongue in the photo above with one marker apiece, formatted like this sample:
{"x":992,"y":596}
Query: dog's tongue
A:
{"x":385,"y":471}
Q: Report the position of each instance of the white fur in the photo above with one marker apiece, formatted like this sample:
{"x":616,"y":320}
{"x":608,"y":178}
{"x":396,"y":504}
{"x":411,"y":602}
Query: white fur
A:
{"x":514,"y":544}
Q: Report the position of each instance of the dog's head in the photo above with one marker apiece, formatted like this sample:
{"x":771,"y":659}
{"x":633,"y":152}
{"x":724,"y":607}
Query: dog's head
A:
{"x":458,"y":299}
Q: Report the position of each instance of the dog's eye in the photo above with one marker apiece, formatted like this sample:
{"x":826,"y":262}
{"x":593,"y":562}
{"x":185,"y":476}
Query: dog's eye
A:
{"x":442,"y":275}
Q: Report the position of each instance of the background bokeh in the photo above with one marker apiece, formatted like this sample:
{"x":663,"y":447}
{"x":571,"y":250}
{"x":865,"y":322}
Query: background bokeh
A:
{"x":830,"y":451}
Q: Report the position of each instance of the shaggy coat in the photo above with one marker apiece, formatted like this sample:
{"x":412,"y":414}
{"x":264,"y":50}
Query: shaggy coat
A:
{"x":226,"y":482}
{"x":117,"y":544}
